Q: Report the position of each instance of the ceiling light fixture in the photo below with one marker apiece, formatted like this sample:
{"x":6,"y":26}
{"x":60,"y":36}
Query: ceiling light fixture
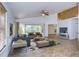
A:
{"x":45,"y":13}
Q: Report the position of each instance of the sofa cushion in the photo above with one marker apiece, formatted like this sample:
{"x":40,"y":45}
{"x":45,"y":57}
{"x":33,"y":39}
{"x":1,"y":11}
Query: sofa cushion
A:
{"x":39,"y":38}
{"x":42,"y":43}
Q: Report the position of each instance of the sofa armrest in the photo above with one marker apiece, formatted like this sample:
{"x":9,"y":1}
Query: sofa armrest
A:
{"x":19,"y":43}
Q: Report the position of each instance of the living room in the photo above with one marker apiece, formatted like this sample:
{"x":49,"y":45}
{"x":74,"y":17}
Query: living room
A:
{"x":47,"y":20}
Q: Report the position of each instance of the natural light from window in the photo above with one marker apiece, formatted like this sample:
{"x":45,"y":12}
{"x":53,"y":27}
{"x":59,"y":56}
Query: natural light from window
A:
{"x":25,"y":28}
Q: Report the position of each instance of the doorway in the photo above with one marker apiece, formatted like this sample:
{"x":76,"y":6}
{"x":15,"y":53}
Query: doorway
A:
{"x":51,"y":30}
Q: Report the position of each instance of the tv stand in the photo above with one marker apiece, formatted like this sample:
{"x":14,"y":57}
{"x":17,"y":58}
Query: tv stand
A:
{"x":64,"y":35}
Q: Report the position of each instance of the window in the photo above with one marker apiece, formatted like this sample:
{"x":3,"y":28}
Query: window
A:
{"x":2,"y":27}
{"x":25,"y":29}
{"x":33,"y":28}
{"x":2,"y":30}
{"x":21,"y":28}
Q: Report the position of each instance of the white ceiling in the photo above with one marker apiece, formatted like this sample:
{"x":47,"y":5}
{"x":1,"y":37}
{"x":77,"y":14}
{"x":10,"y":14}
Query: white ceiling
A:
{"x":33,"y":9}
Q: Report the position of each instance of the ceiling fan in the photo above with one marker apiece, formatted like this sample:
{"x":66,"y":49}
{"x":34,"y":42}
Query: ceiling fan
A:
{"x":45,"y":13}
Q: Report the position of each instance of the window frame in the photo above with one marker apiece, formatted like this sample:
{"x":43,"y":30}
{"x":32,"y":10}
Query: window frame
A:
{"x":42,"y":25}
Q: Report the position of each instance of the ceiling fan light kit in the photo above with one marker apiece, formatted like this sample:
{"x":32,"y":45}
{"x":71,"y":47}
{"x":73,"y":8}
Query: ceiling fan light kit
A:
{"x":45,"y":13}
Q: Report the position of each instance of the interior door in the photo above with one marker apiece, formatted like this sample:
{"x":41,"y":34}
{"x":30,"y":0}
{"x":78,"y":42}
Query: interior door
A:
{"x":51,"y":30}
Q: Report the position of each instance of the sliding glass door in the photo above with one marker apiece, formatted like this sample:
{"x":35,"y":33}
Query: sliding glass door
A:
{"x":27,"y":28}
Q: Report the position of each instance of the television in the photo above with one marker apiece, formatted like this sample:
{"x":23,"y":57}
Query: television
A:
{"x":63,"y":30}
